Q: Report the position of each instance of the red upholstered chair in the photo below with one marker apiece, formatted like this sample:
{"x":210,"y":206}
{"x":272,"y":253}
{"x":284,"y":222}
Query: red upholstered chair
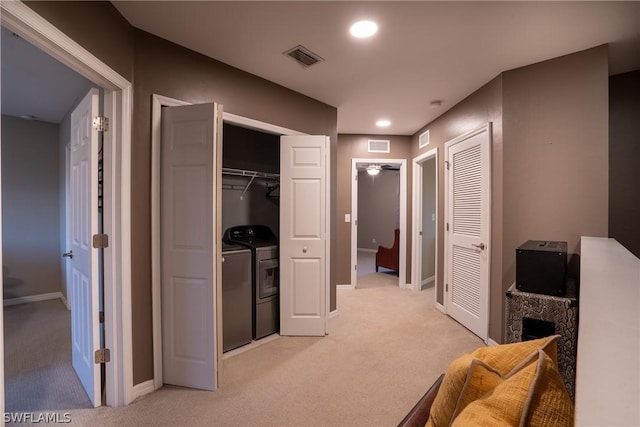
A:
{"x":389,"y":257}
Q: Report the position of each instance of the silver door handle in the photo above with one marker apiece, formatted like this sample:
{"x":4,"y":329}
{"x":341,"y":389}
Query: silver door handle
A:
{"x":480,"y":246}
{"x":68,"y":254}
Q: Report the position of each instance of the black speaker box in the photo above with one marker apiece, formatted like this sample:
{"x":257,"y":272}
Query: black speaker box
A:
{"x":541,"y":267}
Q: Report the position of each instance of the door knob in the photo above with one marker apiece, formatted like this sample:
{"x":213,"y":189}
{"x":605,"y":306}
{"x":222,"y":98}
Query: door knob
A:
{"x":68,"y":254}
{"x":304,"y":249}
{"x":480,"y":246}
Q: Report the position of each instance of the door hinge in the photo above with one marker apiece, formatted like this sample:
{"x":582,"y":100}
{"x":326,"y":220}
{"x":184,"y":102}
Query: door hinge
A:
{"x":100,"y":241}
{"x":355,"y":267}
{"x":446,"y":164}
{"x":446,"y":287}
{"x":100,"y":123}
{"x":102,"y":355}
{"x":447,"y":226}
{"x":101,"y":317}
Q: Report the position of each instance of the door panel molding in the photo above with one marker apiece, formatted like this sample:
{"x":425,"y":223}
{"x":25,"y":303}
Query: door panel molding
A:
{"x":467,"y":251}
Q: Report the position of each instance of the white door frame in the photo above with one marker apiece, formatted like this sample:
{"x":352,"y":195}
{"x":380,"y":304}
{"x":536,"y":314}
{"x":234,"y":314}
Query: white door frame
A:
{"x":159,"y":101}
{"x":416,"y":247}
{"x":402,"y":279}
{"x":23,"y":21}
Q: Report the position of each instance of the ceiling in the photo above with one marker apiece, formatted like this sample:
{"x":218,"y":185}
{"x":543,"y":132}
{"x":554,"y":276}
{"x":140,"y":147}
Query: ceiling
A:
{"x":423,"y":51}
{"x":35,"y":85}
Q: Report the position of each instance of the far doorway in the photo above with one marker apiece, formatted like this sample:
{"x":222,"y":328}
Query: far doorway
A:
{"x":425,"y":219}
{"x":378,"y":217}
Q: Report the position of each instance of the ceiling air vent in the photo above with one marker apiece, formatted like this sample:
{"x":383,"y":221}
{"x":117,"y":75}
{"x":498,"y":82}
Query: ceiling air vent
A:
{"x":303,"y":56}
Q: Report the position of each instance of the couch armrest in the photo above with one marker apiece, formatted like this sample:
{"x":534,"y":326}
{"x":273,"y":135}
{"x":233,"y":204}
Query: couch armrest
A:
{"x":419,"y":415}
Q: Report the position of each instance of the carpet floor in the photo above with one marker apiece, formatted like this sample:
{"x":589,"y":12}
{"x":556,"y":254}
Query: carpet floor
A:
{"x":385,"y":348}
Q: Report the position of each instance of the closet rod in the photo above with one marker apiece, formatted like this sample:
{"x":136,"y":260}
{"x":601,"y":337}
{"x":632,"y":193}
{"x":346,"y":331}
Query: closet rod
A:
{"x":249,"y":173}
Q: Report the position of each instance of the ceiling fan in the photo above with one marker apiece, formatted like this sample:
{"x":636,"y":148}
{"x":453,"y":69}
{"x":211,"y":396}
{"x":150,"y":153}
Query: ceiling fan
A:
{"x":375,"y":168}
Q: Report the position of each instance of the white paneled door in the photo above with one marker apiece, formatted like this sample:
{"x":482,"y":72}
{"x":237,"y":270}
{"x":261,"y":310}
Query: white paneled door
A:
{"x":84,"y":294}
{"x":467,"y":231}
{"x":303,"y":235}
{"x":189,"y":249}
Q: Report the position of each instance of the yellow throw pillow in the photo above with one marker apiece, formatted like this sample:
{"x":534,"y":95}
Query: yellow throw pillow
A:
{"x":506,"y":357}
{"x":533,"y":395}
{"x":502,"y":358}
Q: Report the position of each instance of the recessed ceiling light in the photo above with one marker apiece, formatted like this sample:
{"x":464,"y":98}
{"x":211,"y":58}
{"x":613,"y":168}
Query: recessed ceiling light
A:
{"x":364,"y":29}
{"x":383,"y":123}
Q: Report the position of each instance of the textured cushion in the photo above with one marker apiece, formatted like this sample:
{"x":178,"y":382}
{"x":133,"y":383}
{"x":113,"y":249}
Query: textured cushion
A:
{"x":533,"y":395}
{"x":490,"y":364}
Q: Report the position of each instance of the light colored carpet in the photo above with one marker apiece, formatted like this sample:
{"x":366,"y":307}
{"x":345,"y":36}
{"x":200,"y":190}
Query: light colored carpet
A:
{"x":37,"y":359}
{"x":384,"y":349}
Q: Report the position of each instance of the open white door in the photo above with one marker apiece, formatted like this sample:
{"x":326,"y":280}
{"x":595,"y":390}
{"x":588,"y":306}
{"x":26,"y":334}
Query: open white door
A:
{"x":303,"y":235}
{"x":467,"y":233}
{"x":190,"y":255}
{"x":85,"y":335}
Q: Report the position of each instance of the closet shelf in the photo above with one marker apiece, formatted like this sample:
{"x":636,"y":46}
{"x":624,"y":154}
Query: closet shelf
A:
{"x":253,"y":175}
{"x":250,"y":173}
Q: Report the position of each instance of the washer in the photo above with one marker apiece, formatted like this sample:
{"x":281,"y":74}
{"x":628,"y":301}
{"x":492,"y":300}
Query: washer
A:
{"x":265,"y":273}
{"x":237,"y":296}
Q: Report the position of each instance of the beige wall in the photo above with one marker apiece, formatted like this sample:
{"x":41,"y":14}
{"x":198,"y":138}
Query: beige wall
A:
{"x":378,"y":208}
{"x":355,"y":147}
{"x":555,"y":153}
{"x":30,"y":207}
{"x":484,"y":105}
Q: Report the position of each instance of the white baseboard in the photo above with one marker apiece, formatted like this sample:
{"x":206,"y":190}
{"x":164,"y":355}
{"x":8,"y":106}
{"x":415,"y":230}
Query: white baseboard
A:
{"x":427,"y":280}
{"x":142,"y":389}
{"x":491,"y":342}
{"x":65,"y":301}
{"x":345,"y":287}
{"x":333,"y":314}
{"x":373,"y":251}
{"x":33,"y":298}
{"x":440,"y":307}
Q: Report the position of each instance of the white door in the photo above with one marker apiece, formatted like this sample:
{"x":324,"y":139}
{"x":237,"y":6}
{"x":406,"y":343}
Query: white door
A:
{"x":468,"y":204}
{"x":84,"y":263}
{"x":303,"y":235}
{"x":189,"y":244}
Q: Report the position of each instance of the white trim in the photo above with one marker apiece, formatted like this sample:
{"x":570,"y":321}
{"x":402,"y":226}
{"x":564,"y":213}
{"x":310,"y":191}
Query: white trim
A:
{"x":142,"y":389}
{"x":416,"y":220}
{"x":22,"y":20}
{"x":345,"y":287}
{"x":402,"y":277}
{"x":427,"y":280}
{"x":32,"y":298}
{"x":440,"y":307}
{"x":491,"y":343}
{"x":65,"y":301}
{"x":157,"y":102}
{"x":333,"y":314}
{"x":371,"y":251}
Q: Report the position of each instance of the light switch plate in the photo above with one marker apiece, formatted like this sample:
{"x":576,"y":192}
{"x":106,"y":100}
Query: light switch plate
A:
{"x":347,"y":217}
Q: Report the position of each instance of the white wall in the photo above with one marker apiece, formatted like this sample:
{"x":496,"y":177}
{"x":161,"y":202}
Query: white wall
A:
{"x":31,"y":207}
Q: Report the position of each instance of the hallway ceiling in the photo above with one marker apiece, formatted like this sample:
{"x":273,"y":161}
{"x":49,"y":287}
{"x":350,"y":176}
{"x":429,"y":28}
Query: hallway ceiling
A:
{"x":423,"y":51}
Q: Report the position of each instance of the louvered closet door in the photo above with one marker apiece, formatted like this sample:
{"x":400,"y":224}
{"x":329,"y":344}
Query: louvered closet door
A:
{"x":468,"y":195}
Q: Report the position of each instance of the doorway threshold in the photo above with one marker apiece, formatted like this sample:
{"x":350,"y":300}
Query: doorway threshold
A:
{"x":250,"y":346}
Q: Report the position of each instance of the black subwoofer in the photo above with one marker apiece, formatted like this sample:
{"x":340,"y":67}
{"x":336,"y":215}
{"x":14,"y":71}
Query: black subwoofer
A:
{"x":541,"y":267}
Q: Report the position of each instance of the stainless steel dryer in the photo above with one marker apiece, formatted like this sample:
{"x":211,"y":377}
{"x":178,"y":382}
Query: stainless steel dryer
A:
{"x":266,"y":278}
{"x":237,"y":296}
